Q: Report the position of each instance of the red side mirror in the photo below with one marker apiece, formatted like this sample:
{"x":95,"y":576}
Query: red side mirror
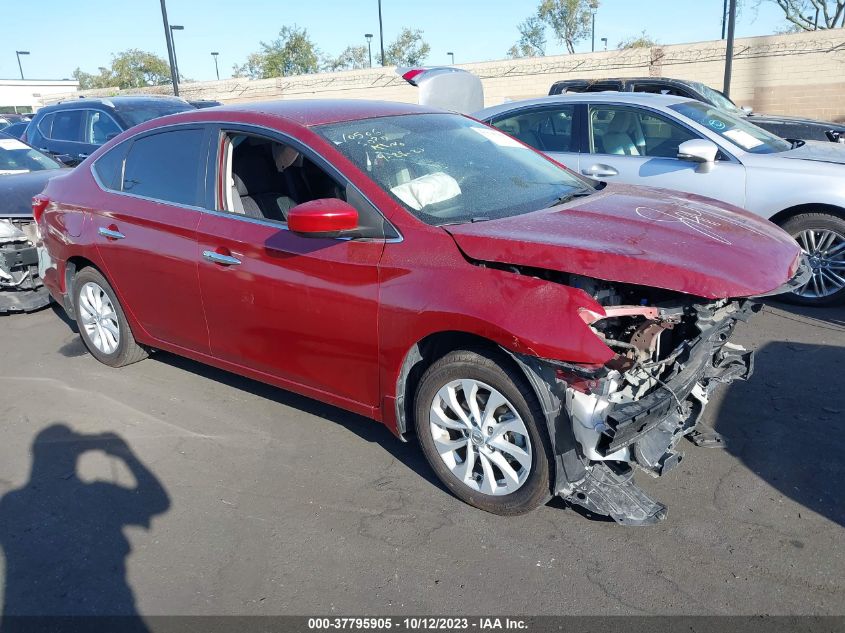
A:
{"x":322,"y":218}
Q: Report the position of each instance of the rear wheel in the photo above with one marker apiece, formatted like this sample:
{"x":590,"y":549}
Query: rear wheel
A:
{"x":102,"y":324}
{"x":483,"y":433}
{"x":822,"y":238}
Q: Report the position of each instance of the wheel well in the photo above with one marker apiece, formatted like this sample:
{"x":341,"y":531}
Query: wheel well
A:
{"x":424,"y":354}
{"x":782,"y":216}
{"x":73,"y":266}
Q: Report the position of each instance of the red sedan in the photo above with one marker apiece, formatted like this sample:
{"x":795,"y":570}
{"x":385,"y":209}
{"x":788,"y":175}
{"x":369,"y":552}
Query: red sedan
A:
{"x":539,"y":333}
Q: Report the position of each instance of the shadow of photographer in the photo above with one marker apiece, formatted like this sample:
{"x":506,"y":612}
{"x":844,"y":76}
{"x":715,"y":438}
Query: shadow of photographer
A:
{"x":62,"y":536}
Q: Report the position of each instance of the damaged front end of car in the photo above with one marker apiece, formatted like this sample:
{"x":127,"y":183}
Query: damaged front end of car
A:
{"x":21,"y":288}
{"x":671,"y":351}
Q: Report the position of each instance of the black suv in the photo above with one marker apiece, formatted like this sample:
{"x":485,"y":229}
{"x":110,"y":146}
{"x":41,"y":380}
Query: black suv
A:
{"x":73,"y":129}
{"x":784,"y":126}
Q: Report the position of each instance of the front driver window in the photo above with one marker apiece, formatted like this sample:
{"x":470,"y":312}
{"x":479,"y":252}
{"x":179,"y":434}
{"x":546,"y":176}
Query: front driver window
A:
{"x":631,"y":132}
{"x":100,"y":128}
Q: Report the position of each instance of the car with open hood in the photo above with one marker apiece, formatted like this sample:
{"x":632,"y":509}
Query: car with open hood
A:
{"x":24,"y":172}
{"x":539,"y":333}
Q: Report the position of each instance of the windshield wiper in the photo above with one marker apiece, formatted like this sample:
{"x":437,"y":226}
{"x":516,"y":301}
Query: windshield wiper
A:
{"x":567,"y":197}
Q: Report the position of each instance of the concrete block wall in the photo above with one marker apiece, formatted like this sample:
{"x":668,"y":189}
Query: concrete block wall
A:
{"x":798,"y":73}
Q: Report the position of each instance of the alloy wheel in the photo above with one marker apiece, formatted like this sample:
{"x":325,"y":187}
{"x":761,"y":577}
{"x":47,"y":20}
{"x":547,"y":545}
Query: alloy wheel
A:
{"x":99,"y":318}
{"x":480,"y":437}
{"x":825,"y":250}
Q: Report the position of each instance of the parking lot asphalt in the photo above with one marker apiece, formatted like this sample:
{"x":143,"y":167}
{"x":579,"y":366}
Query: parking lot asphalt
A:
{"x":250,"y":500}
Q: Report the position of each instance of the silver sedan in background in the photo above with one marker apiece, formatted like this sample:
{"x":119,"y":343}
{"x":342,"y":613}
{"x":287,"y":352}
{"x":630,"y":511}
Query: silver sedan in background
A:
{"x":677,"y":143}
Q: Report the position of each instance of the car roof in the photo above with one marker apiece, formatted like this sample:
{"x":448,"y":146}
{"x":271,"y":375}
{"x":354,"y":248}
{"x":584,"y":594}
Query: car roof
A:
{"x":112,"y":102}
{"x":626,"y":79}
{"x":632,"y":98}
{"x":309,"y":112}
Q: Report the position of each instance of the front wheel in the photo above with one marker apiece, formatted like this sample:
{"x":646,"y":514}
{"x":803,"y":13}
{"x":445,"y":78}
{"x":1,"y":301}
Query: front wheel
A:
{"x":483,"y":433}
{"x":102,"y":324}
{"x":821,"y":237}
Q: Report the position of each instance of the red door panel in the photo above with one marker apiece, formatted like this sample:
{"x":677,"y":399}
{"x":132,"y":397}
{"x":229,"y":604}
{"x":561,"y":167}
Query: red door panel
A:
{"x":153,"y":267}
{"x":301,"y":309}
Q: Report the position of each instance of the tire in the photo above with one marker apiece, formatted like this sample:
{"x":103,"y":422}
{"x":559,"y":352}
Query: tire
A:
{"x":518,"y":424}
{"x":825,"y":232}
{"x":108,"y":338}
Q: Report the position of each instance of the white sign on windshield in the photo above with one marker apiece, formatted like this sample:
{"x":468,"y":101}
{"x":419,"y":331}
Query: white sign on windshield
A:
{"x":12,"y":143}
{"x":742,"y":138}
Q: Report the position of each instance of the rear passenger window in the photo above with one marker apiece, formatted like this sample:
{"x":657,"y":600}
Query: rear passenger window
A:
{"x":45,"y":125}
{"x":67,"y":126}
{"x":166,"y":166}
{"x":109,"y":167}
{"x":549,"y":129}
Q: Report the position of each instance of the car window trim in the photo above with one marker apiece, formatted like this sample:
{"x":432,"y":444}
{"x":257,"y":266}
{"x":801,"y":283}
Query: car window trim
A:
{"x":730,"y":157}
{"x":81,"y":125}
{"x":221,"y":127}
{"x":203,"y":165}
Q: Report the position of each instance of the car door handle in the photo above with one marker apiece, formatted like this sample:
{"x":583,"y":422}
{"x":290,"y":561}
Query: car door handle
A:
{"x":600,"y":171}
{"x":111,"y":234}
{"x":220,"y":258}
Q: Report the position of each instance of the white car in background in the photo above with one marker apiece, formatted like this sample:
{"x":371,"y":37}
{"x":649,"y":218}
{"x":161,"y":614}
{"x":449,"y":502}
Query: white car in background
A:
{"x":686,"y":145}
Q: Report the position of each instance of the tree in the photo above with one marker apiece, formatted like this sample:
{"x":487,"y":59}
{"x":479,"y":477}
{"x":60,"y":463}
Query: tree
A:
{"x":532,"y":39}
{"x":408,"y":49}
{"x":292,"y":53}
{"x":807,"y":15}
{"x":130,"y":69}
{"x":352,"y":58}
{"x":570,"y":19}
{"x":638,"y":41}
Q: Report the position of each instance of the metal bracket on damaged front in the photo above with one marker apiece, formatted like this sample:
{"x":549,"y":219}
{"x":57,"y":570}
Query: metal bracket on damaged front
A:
{"x":612,"y":492}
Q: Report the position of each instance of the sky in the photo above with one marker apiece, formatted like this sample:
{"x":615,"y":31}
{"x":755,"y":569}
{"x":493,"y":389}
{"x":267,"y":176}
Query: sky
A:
{"x":475,"y":30}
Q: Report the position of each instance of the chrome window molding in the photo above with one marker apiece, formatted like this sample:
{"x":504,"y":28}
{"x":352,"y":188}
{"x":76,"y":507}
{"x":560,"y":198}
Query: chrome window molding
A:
{"x":228,"y":214}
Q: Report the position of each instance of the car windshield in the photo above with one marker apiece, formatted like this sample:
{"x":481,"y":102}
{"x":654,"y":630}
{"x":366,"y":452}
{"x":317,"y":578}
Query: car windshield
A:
{"x":446,"y":168}
{"x":718,"y":99}
{"x":17,"y":157}
{"x":137,"y":113}
{"x":738,"y":131}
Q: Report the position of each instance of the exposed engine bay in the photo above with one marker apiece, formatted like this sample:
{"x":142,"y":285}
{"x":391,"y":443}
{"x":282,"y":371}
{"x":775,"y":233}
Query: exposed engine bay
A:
{"x":671,"y":352}
{"x":21,"y":288}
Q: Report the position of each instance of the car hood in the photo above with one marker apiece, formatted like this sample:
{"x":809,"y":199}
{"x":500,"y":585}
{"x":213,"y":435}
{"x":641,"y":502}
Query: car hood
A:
{"x":16,"y":191}
{"x":819,"y":151}
{"x":643,"y":236}
{"x":777,"y":118}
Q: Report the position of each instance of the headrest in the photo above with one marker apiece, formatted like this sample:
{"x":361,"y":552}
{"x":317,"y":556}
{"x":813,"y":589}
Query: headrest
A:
{"x":620,"y":122}
{"x":284,"y":156}
{"x":240,"y":187}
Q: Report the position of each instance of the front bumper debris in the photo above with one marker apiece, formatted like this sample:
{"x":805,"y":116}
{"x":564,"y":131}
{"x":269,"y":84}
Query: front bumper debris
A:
{"x":606,"y":423}
{"x":21,"y":288}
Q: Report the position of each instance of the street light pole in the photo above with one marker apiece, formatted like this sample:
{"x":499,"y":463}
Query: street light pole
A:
{"x":594,"y":6}
{"x":724,"y":17}
{"x":19,"y":53}
{"x":452,"y":55}
{"x":729,"y":51}
{"x":214,"y":54}
{"x":173,"y":74}
{"x":174,"y":27}
{"x":369,"y":38}
{"x":380,"y":32}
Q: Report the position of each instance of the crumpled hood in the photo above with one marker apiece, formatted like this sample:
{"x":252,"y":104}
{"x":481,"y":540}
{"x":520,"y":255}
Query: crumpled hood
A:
{"x":17,"y":190}
{"x":644,"y":236}
{"x":819,"y":151}
{"x":781,"y":118}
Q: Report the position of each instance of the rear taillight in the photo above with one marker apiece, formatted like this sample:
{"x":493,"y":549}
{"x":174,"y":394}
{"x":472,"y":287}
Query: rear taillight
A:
{"x":39,"y":203}
{"x":412,"y":74}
